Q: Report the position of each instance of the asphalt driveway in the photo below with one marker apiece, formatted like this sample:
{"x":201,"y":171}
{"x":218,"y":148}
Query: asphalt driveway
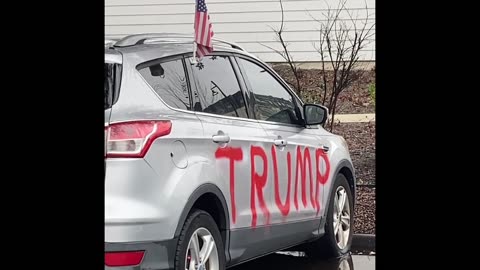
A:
{"x":296,"y":261}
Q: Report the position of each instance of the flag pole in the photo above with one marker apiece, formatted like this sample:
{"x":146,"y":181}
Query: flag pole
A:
{"x":194,"y":33}
{"x":194,"y":52}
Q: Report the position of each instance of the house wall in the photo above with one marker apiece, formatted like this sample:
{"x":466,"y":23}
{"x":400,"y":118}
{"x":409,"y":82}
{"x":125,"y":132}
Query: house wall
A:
{"x":246,"y":22}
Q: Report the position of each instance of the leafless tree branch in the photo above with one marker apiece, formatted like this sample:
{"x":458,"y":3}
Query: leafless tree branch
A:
{"x":341,"y":39}
{"x":285,"y":53}
{"x":340,"y":45}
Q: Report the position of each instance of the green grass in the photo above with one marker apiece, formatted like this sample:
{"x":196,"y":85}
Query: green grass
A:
{"x":371,"y":90}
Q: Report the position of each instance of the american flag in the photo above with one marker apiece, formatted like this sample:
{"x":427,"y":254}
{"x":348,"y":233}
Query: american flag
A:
{"x":203,"y":30}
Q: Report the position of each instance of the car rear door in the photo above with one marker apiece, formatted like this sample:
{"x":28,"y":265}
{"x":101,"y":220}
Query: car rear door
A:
{"x":235,"y":145}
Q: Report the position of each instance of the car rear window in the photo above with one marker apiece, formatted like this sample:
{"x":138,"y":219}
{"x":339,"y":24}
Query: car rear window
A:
{"x":168,"y":80}
{"x":111,"y":84}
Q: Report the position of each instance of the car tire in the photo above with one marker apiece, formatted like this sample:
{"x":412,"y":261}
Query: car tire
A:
{"x":202,"y":226}
{"x":337,"y":239}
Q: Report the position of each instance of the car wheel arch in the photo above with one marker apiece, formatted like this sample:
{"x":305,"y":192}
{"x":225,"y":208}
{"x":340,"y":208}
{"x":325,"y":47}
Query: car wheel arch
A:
{"x":192,"y":203}
{"x":344,"y":167}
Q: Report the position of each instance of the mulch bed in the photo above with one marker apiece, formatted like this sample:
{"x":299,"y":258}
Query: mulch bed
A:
{"x":361,"y":142}
{"x":359,"y":136}
{"x":364,"y":217}
{"x":354,"y":99}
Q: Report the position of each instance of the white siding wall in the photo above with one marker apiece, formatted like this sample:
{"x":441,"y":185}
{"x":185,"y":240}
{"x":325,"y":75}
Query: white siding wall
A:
{"x":246,"y":22}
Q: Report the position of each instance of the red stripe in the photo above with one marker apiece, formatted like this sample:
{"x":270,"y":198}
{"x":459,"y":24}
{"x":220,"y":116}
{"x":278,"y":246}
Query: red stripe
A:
{"x":197,"y":21}
{"x":199,"y":54}
{"x":199,"y":51}
{"x":204,"y":22}
{"x":199,"y":27}
{"x":202,"y":51}
{"x":207,"y":30}
{"x":198,"y":30}
{"x":203,"y":34}
{"x":207,"y":40}
{"x":210,"y":31}
{"x":209,"y":36}
{"x":205,"y":51}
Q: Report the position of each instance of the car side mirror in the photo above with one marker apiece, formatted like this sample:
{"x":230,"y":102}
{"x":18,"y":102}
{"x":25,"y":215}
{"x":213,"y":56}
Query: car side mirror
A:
{"x":315,"y":114}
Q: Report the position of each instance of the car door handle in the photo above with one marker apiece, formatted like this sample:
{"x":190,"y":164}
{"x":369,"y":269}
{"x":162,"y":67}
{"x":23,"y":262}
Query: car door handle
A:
{"x":221,"y":138}
{"x":324,"y":148}
{"x":280,"y":142}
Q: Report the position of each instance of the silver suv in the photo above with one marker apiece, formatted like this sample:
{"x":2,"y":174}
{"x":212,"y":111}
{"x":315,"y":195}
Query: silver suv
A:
{"x":212,"y":163}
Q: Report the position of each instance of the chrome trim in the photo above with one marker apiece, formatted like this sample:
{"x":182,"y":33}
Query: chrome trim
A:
{"x":139,"y":120}
{"x":226,"y":117}
{"x":280,"y":124}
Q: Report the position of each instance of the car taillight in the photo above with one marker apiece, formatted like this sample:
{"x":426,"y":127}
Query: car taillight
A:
{"x":124,"y":258}
{"x":133,"y":139}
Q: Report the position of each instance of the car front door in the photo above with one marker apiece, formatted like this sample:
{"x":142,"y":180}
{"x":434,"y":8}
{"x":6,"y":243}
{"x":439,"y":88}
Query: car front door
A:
{"x":298,"y":164}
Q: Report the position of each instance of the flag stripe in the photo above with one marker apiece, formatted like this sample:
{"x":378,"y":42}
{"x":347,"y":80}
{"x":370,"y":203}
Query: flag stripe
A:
{"x":197,"y":33}
{"x":204,"y":23}
{"x":210,"y":35}
{"x":203,"y":29}
{"x":202,"y":50}
{"x":197,"y":21}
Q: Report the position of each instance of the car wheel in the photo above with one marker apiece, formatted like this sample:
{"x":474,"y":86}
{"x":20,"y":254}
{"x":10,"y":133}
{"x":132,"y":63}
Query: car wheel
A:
{"x":339,"y":223}
{"x":345,"y":263}
{"x":200,"y":245}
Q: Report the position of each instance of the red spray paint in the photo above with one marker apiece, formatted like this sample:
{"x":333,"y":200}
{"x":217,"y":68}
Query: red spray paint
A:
{"x":301,"y":168}
{"x":321,"y":179}
{"x":258,"y":184}
{"x":283,"y":207}
{"x":233,"y":154}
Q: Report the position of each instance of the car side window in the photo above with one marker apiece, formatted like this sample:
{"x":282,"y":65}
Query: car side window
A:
{"x":272,"y":101}
{"x":168,"y":80}
{"x":217,"y":89}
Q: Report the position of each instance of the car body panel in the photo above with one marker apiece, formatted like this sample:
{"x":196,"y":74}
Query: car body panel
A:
{"x":148,"y":199}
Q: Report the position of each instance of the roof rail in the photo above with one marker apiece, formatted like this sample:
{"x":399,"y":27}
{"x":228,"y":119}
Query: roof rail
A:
{"x":232,"y":44}
{"x":139,"y":39}
{"x":109,"y":42}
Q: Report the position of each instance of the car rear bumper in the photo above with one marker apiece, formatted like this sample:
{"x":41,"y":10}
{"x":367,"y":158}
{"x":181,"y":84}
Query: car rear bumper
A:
{"x":158,"y":255}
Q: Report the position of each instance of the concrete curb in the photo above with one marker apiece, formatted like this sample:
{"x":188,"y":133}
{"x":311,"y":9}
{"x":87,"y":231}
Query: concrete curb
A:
{"x":354,"y":118}
{"x":363,"y":242}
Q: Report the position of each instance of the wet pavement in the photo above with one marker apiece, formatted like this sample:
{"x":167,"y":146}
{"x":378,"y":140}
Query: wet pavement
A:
{"x":297,"y":261}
